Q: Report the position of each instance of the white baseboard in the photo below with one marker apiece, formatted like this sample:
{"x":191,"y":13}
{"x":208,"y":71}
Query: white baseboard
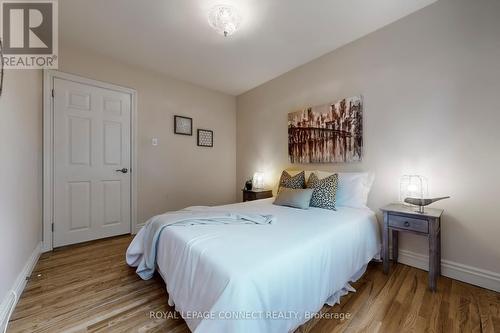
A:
{"x":476,"y":276}
{"x":46,"y":248}
{"x":10,"y":300}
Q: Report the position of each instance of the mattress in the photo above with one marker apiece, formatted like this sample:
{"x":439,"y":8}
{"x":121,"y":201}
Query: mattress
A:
{"x":265,"y":278}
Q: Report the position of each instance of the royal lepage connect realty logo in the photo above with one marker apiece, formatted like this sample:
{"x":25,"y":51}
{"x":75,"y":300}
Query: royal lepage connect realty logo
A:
{"x":29,"y":33}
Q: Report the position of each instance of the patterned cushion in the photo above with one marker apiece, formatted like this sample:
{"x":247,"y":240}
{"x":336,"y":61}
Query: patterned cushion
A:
{"x":324,"y":191}
{"x":297,"y":181}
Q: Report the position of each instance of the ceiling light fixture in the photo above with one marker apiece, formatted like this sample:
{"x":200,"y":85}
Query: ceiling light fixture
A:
{"x":224,"y":19}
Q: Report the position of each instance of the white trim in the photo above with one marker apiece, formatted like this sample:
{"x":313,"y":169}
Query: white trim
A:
{"x":10,"y":300}
{"x":134,"y":136}
{"x":47,"y":162}
{"x":476,"y":276}
{"x":48,"y":134}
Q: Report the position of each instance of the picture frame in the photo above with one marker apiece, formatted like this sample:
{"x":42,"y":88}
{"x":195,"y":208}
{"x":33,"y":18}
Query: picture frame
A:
{"x":205,"y":138}
{"x":183,"y":125}
{"x":328,"y":133}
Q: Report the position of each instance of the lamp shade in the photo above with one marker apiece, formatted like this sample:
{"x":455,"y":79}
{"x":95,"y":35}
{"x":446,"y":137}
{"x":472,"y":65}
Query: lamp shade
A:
{"x":258,"y":180}
{"x":413,"y":186}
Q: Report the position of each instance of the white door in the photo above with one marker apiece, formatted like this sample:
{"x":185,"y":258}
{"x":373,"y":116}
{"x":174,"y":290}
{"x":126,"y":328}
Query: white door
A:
{"x":91,"y":162}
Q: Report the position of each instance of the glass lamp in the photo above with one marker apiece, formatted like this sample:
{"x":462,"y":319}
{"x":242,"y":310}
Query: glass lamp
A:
{"x":413,"y":186}
{"x":258,"y":180}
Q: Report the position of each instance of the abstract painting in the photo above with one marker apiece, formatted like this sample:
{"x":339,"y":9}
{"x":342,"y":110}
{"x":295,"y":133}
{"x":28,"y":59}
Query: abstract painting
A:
{"x":328,"y":133}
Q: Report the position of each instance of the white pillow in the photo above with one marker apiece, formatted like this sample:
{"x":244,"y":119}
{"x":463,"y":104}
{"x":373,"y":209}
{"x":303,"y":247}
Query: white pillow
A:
{"x":353,"y":189}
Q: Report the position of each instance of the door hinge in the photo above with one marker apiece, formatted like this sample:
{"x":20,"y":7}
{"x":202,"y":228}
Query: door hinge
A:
{"x":53,"y":93}
{"x":52,"y":226}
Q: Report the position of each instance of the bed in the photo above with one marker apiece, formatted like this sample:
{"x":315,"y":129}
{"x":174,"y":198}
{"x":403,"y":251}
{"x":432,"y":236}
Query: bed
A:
{"x":265,"y":278}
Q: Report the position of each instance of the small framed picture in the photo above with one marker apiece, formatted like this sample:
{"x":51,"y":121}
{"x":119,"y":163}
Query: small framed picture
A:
{"x":205,"y":138}
{"x":183,"y":125}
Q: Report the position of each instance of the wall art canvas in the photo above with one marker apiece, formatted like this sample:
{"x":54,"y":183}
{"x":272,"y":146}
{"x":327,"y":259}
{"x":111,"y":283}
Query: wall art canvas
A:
{"x":328,"y":133}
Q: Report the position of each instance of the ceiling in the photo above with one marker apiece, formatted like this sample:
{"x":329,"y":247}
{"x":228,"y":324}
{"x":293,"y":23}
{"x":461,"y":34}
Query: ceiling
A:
{"x":173,"y":36}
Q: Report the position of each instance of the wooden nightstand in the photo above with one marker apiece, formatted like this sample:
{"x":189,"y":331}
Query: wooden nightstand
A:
{"x":256,"y":194}
{"x":400,"y":218}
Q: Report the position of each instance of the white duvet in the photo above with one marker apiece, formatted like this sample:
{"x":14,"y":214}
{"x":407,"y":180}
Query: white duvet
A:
{"x":264,"y":278}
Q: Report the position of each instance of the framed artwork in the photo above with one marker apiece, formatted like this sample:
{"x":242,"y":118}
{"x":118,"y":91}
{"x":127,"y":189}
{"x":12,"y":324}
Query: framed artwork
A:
{"x":205,"y":138}
{"x":329,"y":133}
{"x":183,"y":125}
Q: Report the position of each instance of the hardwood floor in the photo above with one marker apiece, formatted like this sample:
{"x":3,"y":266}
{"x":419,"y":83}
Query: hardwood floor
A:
{"x":89,"y":288}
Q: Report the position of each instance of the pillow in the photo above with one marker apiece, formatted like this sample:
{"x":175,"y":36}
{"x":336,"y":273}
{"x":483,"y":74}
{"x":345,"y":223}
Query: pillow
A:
{"x":354,"y":188}
{"x":296,"y":181}
{"x":307,"y":173}
{"x":296,"y":198}
{"x":324,"y":191}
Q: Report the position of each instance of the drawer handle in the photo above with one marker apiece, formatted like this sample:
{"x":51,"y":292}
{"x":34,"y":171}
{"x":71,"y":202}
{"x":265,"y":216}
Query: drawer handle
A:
{"x":407,"y":224}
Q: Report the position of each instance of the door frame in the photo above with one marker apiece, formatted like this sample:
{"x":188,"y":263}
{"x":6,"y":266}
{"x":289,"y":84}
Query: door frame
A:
{"x":48,"y":149}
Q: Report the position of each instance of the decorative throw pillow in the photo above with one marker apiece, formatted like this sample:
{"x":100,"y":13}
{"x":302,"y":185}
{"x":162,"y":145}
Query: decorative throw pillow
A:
{"x":324,"y":191}
{"x":297,"y":181}
{"x":353,"y":189}
{"x":294,"y":197}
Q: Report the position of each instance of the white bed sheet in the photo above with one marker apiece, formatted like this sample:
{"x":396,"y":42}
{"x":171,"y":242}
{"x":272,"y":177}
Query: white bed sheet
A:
{"x":264,"y":278}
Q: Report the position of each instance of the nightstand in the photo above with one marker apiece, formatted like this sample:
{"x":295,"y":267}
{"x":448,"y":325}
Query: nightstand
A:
{"x":256,"y":194}
{"x":400,"y":218}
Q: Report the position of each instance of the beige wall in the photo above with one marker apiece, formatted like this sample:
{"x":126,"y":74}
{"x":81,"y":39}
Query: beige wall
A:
{"x":20,"y":172}
{"x":176,"y":173}
{"x":431,"y":85}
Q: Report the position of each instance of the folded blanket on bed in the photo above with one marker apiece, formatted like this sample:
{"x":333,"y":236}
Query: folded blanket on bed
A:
{"x":141,"y":253}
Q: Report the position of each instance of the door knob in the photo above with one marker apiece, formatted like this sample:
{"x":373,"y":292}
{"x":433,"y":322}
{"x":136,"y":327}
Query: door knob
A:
{"x":124,"y":170}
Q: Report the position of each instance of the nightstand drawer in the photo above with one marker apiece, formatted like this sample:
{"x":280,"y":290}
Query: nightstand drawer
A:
{"x":408,"y":223}
{"x":256,"y":195}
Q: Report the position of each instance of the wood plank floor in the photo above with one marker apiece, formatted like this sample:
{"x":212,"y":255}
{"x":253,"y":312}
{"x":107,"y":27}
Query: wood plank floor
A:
{"x":89,"y":288}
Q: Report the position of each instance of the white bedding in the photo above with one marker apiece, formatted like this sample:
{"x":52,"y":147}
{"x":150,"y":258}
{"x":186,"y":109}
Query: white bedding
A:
{"x":264,"y":278}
